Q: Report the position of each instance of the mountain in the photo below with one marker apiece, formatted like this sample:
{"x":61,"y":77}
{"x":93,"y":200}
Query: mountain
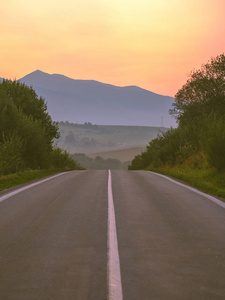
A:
{"x":79,"y":101}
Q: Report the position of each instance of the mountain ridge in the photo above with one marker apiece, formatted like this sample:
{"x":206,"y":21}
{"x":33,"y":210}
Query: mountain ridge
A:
{"x":80,"y":101}
{"x":39,"y":72}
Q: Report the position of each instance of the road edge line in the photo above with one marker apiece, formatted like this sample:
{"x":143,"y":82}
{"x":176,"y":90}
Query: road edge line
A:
{"x":9,"y":195}
{"x":114,"y":275}
{"x":209,"y":197}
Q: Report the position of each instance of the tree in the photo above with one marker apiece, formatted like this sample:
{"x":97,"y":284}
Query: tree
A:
{"x":199,"y":108}
{"x":11,"y":155}
{"x":61,"y":159}
{"x":213,"y":137}
{"x":27,"y":101}
{"x":200,"y":104}
{"x":204,"y":92}
{"x":25,"y":121}
{"x":70,"y":139}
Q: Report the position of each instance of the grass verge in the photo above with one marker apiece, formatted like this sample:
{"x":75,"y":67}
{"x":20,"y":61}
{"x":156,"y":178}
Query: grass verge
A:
{"x":209,"y":181}
{"x":11,"y":180}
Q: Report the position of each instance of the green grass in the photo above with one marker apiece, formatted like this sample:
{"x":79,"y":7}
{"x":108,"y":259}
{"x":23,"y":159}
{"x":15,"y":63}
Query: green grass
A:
{"x":209,"y":181}
{"x":11,"y":180}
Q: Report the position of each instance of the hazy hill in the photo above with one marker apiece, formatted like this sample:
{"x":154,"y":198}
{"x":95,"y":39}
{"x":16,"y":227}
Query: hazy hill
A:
{"x":107,"y":141}
{"x":80,"y":101}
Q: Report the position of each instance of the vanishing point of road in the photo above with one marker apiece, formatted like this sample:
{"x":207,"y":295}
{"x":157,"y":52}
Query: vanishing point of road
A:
{"x":100,"y":235}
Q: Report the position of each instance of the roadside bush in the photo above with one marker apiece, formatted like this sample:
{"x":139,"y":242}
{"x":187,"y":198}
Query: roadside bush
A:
{"x":213,"y":137}
{"x":11,"y":150}
{"x":61,"y":159}
{"x":137,"y":163}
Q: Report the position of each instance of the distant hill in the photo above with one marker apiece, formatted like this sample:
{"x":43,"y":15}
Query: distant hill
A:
{"x":80,"y":101}
{"x":107,"y":141}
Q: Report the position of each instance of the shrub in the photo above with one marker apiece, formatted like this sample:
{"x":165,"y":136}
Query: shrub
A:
{"x":214,"y":141}
{"x":11,"y":155}
{"x":61,"y":159}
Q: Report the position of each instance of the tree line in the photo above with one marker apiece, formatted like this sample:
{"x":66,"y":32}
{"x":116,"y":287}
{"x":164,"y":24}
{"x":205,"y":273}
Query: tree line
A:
{"x":99,"y":163}
{"x":85,"y":142}
{"x":27,"y":132}
{"x":199,"y":139}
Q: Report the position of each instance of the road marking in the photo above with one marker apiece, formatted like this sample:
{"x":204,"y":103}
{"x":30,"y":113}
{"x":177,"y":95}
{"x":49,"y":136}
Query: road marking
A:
{"x":114,"y":276}
{"x":211,"y":198}
{"x":3,"y":198}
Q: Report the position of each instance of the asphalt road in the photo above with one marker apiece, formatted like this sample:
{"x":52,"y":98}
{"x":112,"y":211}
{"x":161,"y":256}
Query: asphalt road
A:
{"x":54,"y":244}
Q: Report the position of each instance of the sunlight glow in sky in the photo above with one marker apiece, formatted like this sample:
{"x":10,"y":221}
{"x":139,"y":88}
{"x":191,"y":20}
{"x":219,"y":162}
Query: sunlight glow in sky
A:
{"x":148,"y":43}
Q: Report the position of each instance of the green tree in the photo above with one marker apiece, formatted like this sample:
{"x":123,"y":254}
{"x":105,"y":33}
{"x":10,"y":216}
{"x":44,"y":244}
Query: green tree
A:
{"x":61,"y":159}
{"x":199,"y":108}
{"x":204,"y":92}
{"x":11,"y":159}
{"x":213,"y":139}
{"x":24,"y":115}
{"x":36,"y":143}
{"x":27,"y":101}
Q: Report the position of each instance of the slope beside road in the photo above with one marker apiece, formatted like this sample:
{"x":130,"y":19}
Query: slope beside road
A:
{"x":54,"y":239}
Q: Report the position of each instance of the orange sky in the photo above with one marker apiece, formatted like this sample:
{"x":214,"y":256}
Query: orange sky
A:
{"x":149,"y":43}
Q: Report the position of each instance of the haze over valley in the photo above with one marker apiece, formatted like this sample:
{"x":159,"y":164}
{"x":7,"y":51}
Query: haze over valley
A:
{"x":106,"y":141}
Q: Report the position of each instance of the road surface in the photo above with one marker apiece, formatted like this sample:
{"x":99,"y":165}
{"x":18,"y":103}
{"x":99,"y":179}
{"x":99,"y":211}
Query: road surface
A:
{"x":54,"y":240}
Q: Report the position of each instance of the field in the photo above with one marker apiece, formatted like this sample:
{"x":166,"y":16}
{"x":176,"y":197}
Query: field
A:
{"x":124,"y":154}
{"x":120,"y":142}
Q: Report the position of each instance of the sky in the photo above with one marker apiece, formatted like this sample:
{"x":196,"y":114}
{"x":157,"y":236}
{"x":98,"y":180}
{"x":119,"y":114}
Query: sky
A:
{"x":153,"y":44}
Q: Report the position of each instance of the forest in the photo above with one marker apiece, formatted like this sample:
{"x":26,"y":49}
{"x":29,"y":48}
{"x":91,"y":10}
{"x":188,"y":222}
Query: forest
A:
{"x":27,"y":132}
{"x":199,"y":140}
